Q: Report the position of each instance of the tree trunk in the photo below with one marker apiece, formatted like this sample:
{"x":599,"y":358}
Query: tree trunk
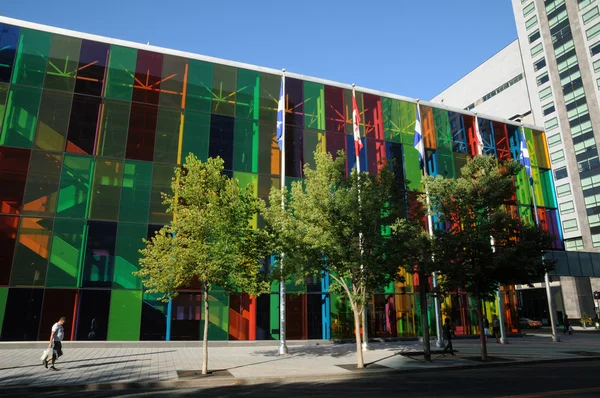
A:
{"x":205,"y":339}
{"x":359,"y":354}
{"x":424,"y":317}
{"x":484,"y":355}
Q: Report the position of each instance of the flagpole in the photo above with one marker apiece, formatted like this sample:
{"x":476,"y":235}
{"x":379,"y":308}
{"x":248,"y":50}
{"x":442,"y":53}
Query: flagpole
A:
{"x":439,"y":343}
{"x":283,"y":350}
{"x":355,"y":125}
{"x":555,"y":337}
{"x":500,"y":302}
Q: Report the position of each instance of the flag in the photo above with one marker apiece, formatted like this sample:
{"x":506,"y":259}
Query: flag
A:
{"x":418,"y":141}
{"x":280,"y":116}
{"x":478,"y":136}
{"x":355,"y":121}
{"x":524,"y":155}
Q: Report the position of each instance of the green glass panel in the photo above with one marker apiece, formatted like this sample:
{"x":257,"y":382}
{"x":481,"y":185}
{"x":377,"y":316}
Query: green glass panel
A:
{"x":224,"y":90}
{"x":32,"y":251}
{"x":411,"y":166}
{"x":270,"y":85}
{"x":168,"y":128}
{"x":312,"y":139}
{"x":248,"y":180}
{"x":218,"y":315}
{"x":342,"y":320}
{"x":547,"y":188}
{"x":68,"y":248}
{"x":161,"y":182}
{"x":199,"y":86}
{"x":135,"y":195}
{"x":41,"y":190}
{"x":196,"y":135}
{"x":443,"y":133}
{"x":523,"y":189}
{"x":121,"y":71}
{"x":245,"y":146}
{"x":63,"y":62}
{"x":248,"y":94}
{"x":174,"y":75}
{"x":125,"y":315}
{"x":314,"y":106}
{"x":446,"y":165}
{"x":129,"y":242}
{"x":76,"y":177}
{"x":3,"y":299}
{"x":53,"y":123}
{"x":531,"y":146}
{"x":114,"y":123}
{"x":526,"y":214}
{"x":399,"y":120}
{"x":31,"y":59}
{"x":106,"y":192}
{"x":21,"y":115}
{"x":3,"y":97}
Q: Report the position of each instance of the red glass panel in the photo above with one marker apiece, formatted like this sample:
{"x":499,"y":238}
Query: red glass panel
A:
{"x":471,"y":134}
{"x":8,"y":236}
{"x":502,"y":144}
{"x":375,"y":155}
{"x":142,"y":129}
{"x":14,"y":163}
{"x":148,"y":76}
{"x":428,"y":127}
{"x":373,"y":116}
{"x":335,"y":119}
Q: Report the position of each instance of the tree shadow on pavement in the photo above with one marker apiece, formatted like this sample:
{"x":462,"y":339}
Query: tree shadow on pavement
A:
{"x":340,"y":350}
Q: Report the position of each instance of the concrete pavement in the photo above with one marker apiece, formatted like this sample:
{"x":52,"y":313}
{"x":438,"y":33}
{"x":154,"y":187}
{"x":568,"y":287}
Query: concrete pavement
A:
{"x":161,"y":363}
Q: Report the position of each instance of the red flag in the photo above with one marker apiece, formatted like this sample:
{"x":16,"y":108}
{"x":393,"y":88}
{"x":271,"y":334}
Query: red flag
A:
{"x":355,"y":121}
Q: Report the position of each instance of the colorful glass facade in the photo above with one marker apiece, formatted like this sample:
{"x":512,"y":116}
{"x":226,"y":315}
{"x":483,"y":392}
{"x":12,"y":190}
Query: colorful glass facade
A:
{"x":90,"y":131}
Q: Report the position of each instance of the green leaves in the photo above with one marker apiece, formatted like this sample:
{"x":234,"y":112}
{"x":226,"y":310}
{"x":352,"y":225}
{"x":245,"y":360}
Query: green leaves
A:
{"x":210,"y":238}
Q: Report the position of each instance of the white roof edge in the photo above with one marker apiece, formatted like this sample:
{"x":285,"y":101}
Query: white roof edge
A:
{"x":140,"y":46}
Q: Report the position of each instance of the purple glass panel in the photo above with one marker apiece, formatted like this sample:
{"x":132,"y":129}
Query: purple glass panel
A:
{"x":92,"y":68}
{"x":294,"y":93}
{"x":335,"y":119}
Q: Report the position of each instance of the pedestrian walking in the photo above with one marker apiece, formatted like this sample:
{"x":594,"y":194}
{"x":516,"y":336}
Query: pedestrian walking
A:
{"x":486,"y":328}
{"x":448,"y":336}
{"x":56,"y":337}
{"x":567,"y":325}
{"x":496,"y":327}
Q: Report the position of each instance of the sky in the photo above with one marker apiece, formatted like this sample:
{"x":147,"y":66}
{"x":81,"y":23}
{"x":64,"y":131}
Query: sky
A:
{"x":408,"y":47}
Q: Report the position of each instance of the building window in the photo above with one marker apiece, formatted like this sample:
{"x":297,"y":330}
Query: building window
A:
{"x":585,"y":3}
{"x":560,"y":173}
{"x":594,"y":220}
{"x":548,"y":108}
{"x":596,"y":240}
{"x":534,"y":36}
{"x":570,"y":225}
{"x":591,"y":201}
{"x":541,"y":79}
{"x":551,"y":124}
{"x":563,"y":190}
{"x":595,"y":49}
{"x":538,"y":48}
{"x":545,"y":93}
{"x":566,"y":208}
{"x":597,"y":65}
{"x":598,"y":83}
{"x":590,"y":182}
{"x":590,"y":15}
{"x":553,"y":140}
{"x":588,"y":164}
{"x":574,"y":244}
{"x":593,"y":31}
{"x":531,"y":22}
{"x":584,"y":146}
{"x":557,"y":156}
{"x":528,"y":9}
{"x":539,"y":64}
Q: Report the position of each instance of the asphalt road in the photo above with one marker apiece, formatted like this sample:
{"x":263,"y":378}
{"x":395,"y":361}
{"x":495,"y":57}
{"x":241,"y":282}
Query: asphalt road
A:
{"x":571,"y":379}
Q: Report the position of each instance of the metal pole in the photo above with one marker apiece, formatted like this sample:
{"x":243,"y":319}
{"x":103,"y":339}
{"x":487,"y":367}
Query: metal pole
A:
{"x":283,"y":350}
{"x":439,"y":342}
{"x":365,"y":317}
{"x":555,"y":337}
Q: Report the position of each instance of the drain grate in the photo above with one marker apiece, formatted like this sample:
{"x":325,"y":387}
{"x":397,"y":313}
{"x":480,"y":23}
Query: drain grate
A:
{"x":584,"y":353}
{"x":196,"y":374}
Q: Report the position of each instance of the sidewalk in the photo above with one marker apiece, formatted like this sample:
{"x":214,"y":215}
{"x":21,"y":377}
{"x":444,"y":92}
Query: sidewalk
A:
{"x":159,"y":366}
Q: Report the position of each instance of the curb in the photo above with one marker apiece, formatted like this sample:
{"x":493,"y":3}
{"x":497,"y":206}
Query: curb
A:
{"x":221,"y":381}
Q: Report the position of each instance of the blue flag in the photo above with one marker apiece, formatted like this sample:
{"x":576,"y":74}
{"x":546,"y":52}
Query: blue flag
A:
{"x":524,"y":154}
{"x":418,"y":141}
{"x":280,"y":110}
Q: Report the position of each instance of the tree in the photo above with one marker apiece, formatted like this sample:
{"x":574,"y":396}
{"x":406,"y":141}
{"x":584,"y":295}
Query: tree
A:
{"x":318,"y":230}
{"x":415,"y":248}
{"x":210,"y":239}
{"x":483,"y":245}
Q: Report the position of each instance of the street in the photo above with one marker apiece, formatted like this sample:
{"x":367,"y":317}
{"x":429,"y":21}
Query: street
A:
{"x":556,"y":379}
